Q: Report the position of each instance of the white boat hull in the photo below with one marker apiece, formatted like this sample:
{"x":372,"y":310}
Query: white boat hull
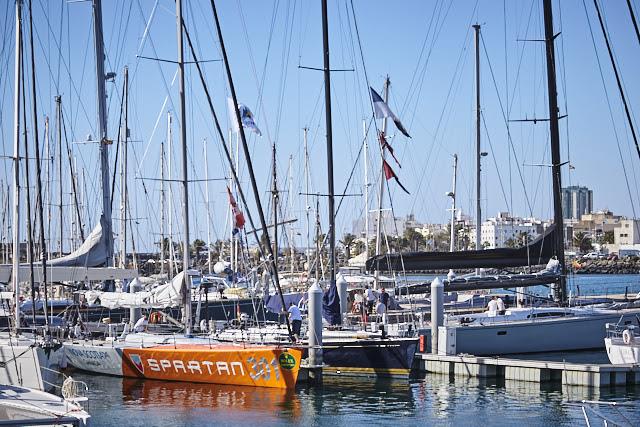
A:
{"x":102,"y":359}
{"x":26,"y":365}
{"x":620,"y":353}
{"x":540,"y":335}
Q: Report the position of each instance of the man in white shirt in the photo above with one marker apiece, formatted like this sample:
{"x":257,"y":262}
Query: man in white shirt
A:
{"x":371,"y":298}
{"x":493,"y":306}
{"x":141,"y":324}
{"x":296,"y":320}
{"x":500,"y":306}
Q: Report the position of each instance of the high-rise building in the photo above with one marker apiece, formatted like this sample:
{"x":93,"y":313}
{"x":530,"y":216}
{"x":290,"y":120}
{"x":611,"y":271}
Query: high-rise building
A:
{"x":576,"y":201}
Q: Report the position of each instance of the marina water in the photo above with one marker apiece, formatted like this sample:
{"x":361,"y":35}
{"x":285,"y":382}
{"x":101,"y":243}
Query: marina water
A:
{"x":430,"y":400}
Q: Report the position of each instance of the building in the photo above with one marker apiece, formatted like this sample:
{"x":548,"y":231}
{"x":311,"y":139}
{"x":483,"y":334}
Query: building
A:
{"x":576,"y":201}
{"x":595,"y":224}
{"x":504,"y":230}
{"x":627,"y":234}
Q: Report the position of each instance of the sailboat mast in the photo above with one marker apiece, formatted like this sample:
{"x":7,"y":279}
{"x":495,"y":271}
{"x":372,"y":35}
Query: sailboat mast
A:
{"x":452,"y":243}
{"x":39,"y":205}
{"x":185,"y":182}
{"x":291,"y":230}
{"x":307,"y":207}
{"x":247,"y":155}
{"x":58,"y":100}
{"x":123,"y":175}
{"x":102,"y":128}
{"x":376,"y":274}
{"x":366,"y":187}
{"x":274,"y":195}
{"x":560,"y":290}
{"x":169,"y":162}
{"x":206,"y":194}
{"x":476,"y":27}
{"x":162,"y":207}
{"x":327,"y":107}
{"x":16,"y":164}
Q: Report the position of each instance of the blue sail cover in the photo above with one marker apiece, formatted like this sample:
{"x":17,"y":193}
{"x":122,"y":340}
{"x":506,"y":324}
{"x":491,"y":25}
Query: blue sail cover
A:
{"x":273,"y":303}
{"x":331,"y":305}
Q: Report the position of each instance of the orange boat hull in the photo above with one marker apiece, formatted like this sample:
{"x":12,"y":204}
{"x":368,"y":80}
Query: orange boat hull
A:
{"x":235,"y":365}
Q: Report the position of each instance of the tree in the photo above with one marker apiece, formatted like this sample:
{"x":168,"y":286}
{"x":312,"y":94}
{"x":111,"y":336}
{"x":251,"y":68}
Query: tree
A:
{"x":414,"y":239}
{"x":608,"y":237}
{"x":582,"y":242}
{"x":347,"y":241}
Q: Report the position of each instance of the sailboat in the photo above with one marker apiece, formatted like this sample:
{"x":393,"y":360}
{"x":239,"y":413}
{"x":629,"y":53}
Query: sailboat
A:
{"x":184,"y":357}
{"x":520,"y":330}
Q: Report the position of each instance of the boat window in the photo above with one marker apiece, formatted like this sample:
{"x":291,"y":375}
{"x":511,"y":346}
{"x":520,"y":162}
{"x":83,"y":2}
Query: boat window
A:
{"x":550,"y":314}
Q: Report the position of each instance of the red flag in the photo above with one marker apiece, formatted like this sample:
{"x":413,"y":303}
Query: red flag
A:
{"x":238,"y":217}
{"x":385,"y":144}
{"x":389,"y":173}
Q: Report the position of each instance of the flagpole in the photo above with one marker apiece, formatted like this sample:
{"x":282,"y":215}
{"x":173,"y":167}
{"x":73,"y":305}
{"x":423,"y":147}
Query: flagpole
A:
{"x":376,"y":275}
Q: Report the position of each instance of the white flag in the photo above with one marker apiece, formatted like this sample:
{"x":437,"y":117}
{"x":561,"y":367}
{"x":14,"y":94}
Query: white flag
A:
{"x":246,"y":116}
{"x":382,"y":110}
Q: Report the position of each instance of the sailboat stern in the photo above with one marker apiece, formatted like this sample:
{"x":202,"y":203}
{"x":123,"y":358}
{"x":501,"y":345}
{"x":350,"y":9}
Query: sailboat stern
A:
{"x":258,"y":366}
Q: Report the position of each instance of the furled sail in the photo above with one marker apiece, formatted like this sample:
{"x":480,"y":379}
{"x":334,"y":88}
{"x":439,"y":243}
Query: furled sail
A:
{"x":537,"y":252}
{"x":92,"y":252}
{"x":163,"y":296}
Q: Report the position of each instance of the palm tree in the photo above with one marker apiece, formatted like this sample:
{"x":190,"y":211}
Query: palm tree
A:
{"x":582,"y":241}
{"x":347,"y":240}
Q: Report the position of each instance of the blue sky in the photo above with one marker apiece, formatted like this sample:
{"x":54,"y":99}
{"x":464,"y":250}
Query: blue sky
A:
{"x":426,"y":48}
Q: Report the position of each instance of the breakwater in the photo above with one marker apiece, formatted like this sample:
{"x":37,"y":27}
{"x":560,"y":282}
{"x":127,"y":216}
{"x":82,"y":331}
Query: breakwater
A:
{"x":629,"y":265}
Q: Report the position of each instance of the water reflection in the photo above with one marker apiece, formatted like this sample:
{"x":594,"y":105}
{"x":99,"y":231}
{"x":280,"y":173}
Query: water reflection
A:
{"x":434,"y":400}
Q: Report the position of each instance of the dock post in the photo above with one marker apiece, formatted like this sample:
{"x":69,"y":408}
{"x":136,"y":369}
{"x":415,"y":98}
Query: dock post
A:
{"x":437,"y":311}
{"x":315,"y":334}
{"x":341,"y":284}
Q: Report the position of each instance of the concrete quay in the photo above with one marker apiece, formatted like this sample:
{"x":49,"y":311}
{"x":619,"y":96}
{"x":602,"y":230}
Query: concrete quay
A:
{"x":536,"y":371}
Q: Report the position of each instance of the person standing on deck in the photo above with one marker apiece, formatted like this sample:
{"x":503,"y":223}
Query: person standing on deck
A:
{"x":371,"y":298}
{"x":493,"y":306}
{"x":296,"y":320}
{"x":500,"y":306}
{"x":384,"y":299}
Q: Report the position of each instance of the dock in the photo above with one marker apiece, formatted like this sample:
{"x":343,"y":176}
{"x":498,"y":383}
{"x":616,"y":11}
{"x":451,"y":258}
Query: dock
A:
{"x":536,"y":371}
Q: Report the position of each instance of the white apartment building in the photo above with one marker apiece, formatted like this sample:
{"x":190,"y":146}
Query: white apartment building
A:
{"x":495,"y":232}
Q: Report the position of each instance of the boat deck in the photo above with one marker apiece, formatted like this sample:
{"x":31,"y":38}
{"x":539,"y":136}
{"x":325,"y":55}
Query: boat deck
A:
{"x":537,"y":371}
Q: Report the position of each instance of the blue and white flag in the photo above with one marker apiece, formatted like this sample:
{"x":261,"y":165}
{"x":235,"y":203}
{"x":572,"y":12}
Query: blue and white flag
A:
{"x":246,"y":117}
{"x":382,"y":110}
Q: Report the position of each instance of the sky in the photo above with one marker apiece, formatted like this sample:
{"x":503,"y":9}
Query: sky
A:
{"x":425,"y":47}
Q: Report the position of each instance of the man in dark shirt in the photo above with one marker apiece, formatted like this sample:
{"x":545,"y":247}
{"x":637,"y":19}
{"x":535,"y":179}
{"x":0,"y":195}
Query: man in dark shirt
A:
{"x":384,"y":298}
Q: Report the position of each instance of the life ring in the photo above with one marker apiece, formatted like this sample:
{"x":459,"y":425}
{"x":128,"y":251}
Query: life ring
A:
{"x":627,"y":336}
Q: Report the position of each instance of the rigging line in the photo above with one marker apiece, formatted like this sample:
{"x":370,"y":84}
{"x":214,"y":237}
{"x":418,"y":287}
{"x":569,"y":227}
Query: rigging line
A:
{"x":456,"y":77}
{"x":615,"y":70}
{"x":437,"y":32}
{"x":633,"y":19}
{"x":168,"y":98}
{"x":73,"y":181}
{"x":515,"y":83}
{"x":493,"y":155}
{"x":563,"y":75}
{"x":260,"y":82}
{"x":606,"y":93}
{"x":222,"y":140}
{"x":353,"y":169}
{"x":115,"y":160}
{"x":515,"y":156}
{"x":61,"y":59}
{"x":422,"y":49}
{"x":157,"y":123}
